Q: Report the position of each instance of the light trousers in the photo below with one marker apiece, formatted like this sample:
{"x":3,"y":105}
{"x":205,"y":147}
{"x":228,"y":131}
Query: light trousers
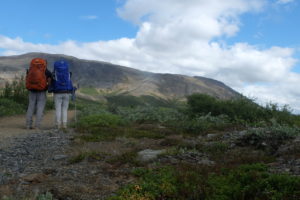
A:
{"x":61,"y":108}
{"x":37,"y":101}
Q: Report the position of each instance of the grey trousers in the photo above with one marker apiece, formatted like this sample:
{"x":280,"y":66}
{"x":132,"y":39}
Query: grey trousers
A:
{"x":61,"y":108}
{"x":37,"y":102}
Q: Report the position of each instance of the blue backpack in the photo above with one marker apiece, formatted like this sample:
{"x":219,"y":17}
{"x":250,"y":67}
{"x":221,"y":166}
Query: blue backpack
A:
{"x":61,"y":77}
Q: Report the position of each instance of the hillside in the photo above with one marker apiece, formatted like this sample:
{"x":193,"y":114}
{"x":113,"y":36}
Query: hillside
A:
{"x":154,"y":153}
{"x":108,"y":78}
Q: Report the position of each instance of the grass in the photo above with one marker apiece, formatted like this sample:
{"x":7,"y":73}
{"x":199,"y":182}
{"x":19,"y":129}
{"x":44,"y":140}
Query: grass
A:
{"x":110,"y":133}
{"x":134,"y":101}
{"x":46,"y":196}
{"x":251,"y":182}
{"x":107,"y":126}
{"x":241,"y":110}
{"x":238,"y":173}
{"x":129,"y":157}
{"x":91,"y":156}
{"x":10,"y":107}
{"x":89,"y":91}
{"x":13,"y":98}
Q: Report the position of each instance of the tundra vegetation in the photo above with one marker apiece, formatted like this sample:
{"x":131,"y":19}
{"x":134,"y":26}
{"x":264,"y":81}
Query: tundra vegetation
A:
{"x":238,"y":168}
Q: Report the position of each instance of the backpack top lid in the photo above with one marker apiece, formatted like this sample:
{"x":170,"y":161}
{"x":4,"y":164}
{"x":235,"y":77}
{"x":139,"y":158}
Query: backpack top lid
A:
{"x":61,"y":64}
{"x":38,"y":61}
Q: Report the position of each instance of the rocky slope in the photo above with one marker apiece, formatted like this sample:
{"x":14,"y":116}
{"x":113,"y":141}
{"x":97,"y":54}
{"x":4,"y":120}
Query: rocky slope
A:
{"x":110,"y":78}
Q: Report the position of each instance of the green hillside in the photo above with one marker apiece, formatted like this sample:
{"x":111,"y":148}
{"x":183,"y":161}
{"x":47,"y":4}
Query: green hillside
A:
{"x":209,"y":148}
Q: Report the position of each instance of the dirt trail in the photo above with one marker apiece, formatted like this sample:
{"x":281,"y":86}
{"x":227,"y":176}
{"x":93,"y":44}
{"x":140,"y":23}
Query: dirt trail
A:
{"x":15,"y":125}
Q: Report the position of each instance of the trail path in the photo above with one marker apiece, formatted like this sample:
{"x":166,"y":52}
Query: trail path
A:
{"x":34,"y":162}
{"x":14,"y":126}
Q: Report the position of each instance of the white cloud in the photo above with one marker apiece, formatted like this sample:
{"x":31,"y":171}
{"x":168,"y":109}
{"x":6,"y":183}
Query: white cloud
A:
{"x":178,"y":36}
{"x":283,"y":93}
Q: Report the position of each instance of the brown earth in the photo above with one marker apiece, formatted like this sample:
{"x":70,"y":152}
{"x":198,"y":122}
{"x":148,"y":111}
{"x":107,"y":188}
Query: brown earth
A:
{"x":14,"y":126}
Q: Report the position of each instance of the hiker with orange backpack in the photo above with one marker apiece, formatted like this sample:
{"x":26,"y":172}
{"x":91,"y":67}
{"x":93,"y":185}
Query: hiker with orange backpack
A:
{"x":38,"y":78}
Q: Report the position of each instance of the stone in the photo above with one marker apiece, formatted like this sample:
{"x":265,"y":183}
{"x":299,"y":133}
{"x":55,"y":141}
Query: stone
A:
{"x":59,"y":157}
{"x":211,"y":135}
{"x":34,"y":178}
{"x":206,"y":161}
{"x":149,"y":154}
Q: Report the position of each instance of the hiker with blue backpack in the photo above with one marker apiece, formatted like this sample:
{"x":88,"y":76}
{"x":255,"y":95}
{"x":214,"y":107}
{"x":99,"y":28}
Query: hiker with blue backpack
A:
{"x":62,"y":88}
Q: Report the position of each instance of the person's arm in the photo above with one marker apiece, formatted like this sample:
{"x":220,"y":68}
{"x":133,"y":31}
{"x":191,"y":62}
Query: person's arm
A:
{"x":49,"y":77}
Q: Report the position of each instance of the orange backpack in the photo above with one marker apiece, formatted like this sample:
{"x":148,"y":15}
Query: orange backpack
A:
{"x":36,"y":77}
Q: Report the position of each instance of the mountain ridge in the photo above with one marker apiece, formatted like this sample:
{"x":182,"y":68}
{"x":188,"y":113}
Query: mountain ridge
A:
{"x":109,"y":78}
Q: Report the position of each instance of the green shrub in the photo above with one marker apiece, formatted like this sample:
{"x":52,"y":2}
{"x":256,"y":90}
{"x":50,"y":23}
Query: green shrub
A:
{"x":13,"y":98}
{"x":203,"y":104}
{"x":15,"y":90}
{"x":152,"y":184}
{"x":200,"y":124}
{"x":10,"y":107}
{"x":133,"y":132}
{"x":269,"y":137}
{"x":100,"y":127}
{"x":253,"y":182}
{"x":249,"y":182}
{"x":89,"y":91}
{"x":125,"y":158}
{"x":242,"y":110}
{"x":149,"y":114}
{"x":124,"y":101}
{"x":87,"y":107}
{"x":91,"y":155}
{"x":174,"y":119}
{"x":91,"y":122}
{"x":134,"y":101}
{"x":47,"y":196}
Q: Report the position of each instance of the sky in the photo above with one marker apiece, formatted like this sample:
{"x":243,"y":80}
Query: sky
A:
{"x":253,"y":46}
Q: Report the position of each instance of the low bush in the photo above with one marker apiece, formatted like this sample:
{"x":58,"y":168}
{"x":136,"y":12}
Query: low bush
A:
{"x":174,"y":119}
{"x":200,"y":124}
{"x":251,"y":182}
{"x":87,"y":107}
{"x":93,"y":123}
{"x":13,"y":98}
{"x":15,"y":91}
{"x":125,"y":158}
{"x":10,"y":107}
{"x":242,"y":110}
{"x":269,"y":137}
{"x":47,"y":196}
{"x":134,"y":101}
{"x":90,"y":155}
{"x":148,"y":114}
